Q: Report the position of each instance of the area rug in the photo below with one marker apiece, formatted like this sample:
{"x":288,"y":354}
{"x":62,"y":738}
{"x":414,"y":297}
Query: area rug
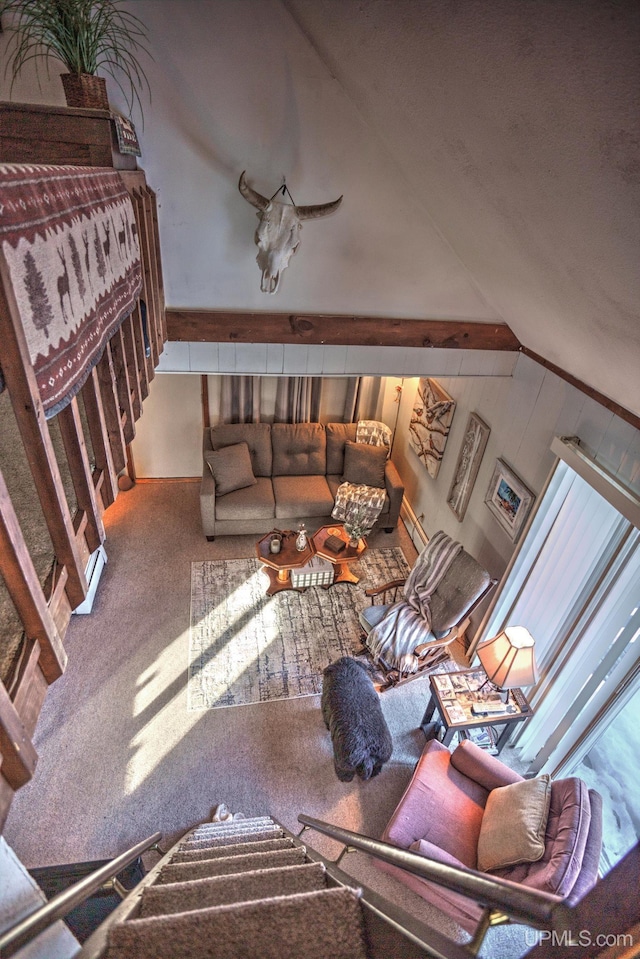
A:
{"x":246,"y":647}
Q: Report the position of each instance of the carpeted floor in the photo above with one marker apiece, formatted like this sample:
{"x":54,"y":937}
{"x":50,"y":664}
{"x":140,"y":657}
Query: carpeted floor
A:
{"x":247,"y":647}
{"x":121,"y":756}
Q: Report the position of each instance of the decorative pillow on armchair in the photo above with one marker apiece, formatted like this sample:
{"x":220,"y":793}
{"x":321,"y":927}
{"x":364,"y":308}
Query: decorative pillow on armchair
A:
{"x":231,"y":468}
{"x":364,"y":464}
{"x":514,"y":824}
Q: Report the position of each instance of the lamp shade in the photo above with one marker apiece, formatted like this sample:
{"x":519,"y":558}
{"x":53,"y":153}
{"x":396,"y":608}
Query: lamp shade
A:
{"x":508,"y":659}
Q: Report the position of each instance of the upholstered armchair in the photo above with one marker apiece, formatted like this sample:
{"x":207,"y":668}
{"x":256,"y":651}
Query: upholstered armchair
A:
{"x":442,"y":816}
{"x":464,"y":585}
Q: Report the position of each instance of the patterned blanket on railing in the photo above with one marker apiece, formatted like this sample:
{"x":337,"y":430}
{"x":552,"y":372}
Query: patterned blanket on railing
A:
{"x":69,"y":240}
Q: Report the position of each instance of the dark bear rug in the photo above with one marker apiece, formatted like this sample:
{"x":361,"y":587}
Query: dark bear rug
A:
{"x":247,"y":647}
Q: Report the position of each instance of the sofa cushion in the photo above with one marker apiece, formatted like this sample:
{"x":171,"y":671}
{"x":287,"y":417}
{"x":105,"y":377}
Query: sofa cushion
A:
{"x":364,"y":464}
{"x":252,"y":502}
{"x":257,"y":436}
{"x":337,"y":436}
{"x":302,"y":496}
{"x":230,"y":468}
{"x":299,"y":449}
{"x":514,"y":824}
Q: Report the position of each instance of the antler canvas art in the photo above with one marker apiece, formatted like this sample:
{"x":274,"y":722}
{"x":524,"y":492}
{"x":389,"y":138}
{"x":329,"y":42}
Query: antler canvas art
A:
{"x":431,"y":418}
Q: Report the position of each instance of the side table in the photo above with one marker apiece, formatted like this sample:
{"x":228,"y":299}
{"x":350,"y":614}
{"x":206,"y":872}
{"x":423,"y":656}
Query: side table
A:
{"x":458,"y":699}
{"x":277,"y":566}
{"x":341,"y":560}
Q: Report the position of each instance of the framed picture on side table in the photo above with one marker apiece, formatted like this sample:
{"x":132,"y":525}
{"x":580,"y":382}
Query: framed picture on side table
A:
{"x":508,"y":499}
{"x":469,"y":459}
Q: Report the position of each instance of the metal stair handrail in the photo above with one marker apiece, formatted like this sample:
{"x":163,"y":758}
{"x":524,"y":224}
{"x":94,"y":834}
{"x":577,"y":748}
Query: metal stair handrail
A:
{"x":44,"y":916}
{"x":541,"y":910}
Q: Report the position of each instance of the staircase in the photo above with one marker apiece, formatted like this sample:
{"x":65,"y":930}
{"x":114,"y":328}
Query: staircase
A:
{"x":246,"y":888}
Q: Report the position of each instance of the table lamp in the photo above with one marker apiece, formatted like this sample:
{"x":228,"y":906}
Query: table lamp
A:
{"x":508,"y":658}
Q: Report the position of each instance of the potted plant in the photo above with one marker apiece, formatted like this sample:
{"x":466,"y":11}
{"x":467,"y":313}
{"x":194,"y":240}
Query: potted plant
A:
{"x":85,"y":35}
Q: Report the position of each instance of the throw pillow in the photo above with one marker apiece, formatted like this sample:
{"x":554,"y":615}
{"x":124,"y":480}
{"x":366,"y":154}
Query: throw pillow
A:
{"x":231,"y":468}
{"x":364,"y":464}
{"x":514,"y":824}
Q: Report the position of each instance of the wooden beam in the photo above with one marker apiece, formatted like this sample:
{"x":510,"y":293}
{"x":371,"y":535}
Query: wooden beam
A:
{"x":600,"y":398}
{"x":218,"y":326}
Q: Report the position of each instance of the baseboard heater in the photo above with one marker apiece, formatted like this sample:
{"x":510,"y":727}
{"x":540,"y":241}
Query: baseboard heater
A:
{"x":93,"y":572}
{"x":413,"y":525}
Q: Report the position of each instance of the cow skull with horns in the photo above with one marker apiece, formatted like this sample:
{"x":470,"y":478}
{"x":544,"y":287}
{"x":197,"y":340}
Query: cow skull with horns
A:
{"x":278,"y":233}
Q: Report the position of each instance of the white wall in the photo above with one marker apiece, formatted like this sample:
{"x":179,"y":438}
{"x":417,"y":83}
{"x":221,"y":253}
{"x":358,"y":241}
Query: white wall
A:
{"x":168,"y":440}
{"x":524,"y":413}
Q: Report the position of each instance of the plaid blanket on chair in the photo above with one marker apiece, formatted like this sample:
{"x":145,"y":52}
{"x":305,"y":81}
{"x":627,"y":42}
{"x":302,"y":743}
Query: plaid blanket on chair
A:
{"x":407,"y":623}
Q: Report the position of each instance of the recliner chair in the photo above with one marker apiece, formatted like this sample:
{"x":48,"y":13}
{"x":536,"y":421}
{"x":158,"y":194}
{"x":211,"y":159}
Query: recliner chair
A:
{"x":441,"y":812}
{"x":464,"y":585}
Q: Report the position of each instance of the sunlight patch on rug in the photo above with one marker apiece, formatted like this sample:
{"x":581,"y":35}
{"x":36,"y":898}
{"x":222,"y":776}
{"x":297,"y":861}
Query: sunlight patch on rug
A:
{"x":247,"y":647}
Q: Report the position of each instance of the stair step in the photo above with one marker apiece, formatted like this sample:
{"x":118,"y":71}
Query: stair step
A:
{"x":326,"y":924}
{"x":238,"y":849}
{"x":273,"y":832}
{"x":181,"y":871}
{"x":220,"y":890}
{"x":205,"y":828}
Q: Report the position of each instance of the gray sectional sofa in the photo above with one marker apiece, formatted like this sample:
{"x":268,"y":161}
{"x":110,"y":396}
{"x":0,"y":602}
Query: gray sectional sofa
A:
{"x":287,"y":474}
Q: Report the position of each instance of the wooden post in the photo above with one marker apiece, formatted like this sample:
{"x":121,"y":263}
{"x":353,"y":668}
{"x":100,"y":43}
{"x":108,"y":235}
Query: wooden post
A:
{"x":25,"y":590}
{"x":100,"y":438}
{"x":111,"y":407}
{"x":19,"y":758}
{"x":78,"y":459}
{"x":123,"y":384}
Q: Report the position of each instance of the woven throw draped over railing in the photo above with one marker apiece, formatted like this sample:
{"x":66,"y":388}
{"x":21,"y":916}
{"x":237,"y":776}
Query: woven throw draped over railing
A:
{"x":69,"y":248}
{"x":407,"y":623}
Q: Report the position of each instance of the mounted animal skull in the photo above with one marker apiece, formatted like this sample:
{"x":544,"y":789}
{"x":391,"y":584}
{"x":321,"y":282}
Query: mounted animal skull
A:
{"x":278,"y":233}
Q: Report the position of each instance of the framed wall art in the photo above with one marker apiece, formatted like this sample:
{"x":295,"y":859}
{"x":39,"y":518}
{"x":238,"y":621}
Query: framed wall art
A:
{"x":469,"y":459}
{"x":431,"y":418}
{"x":508,"y":499}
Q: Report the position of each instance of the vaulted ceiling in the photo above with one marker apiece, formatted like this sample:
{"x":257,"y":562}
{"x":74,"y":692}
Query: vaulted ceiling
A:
{"x":488,"y":152}
{"x":515,"y":125}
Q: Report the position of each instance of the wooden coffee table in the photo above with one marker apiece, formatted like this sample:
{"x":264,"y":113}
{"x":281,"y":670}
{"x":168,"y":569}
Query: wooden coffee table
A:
{"x":278,"y":565}
{"x":341,"y":560}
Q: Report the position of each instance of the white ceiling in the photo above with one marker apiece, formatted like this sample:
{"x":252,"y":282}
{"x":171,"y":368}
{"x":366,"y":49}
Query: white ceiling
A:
{"x":515,"y":124}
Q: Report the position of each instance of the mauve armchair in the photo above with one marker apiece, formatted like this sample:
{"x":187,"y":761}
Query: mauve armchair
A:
{"x":440,"y":815}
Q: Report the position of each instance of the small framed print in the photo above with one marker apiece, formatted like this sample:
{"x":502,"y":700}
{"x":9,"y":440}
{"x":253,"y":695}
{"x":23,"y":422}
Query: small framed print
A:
{"x":509,"y":499}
